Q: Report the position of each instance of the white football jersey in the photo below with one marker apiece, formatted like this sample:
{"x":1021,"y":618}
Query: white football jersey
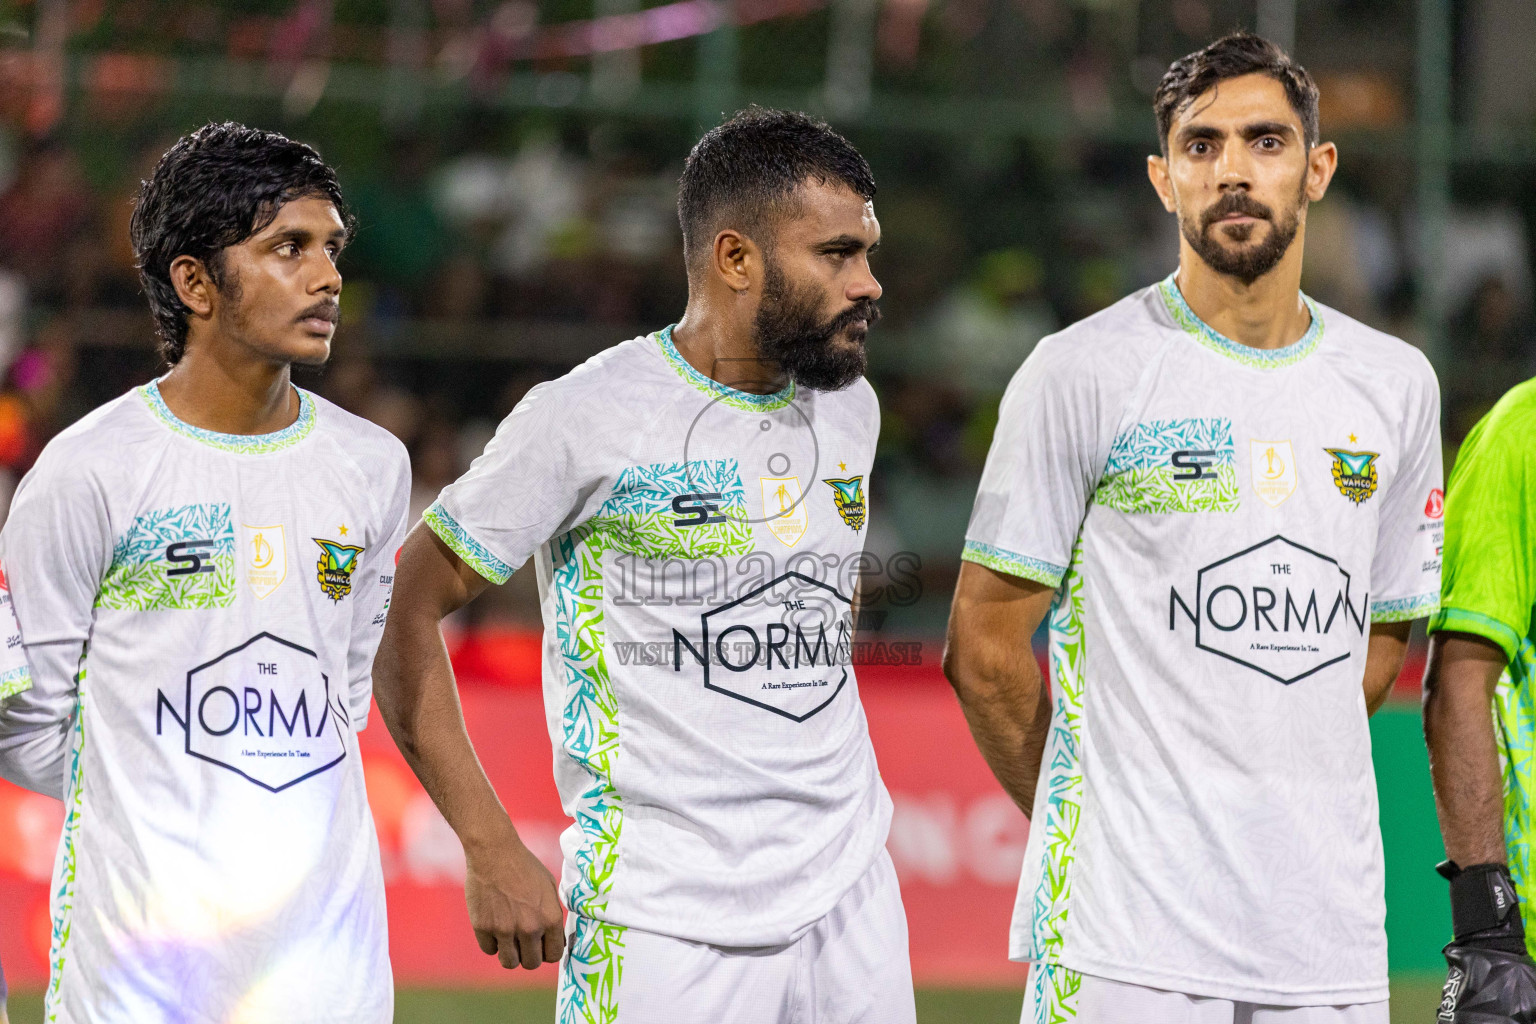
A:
{"x":696,"y":549}
{"x":205,"y":608}
{"x":1224,"y":524}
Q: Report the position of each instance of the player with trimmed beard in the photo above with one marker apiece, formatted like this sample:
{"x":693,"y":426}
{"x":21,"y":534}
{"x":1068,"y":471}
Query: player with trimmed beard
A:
{"x":1216,"y":491}
{"x":201,"y":570}
{"x":685,"y":492}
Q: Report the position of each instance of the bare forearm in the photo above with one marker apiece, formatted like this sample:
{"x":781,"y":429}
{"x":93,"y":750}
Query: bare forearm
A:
{"x":1463,"y":754}
{"x":1387,"y":648}
{"x":1009,"y":716}
{"x":419,"y":702}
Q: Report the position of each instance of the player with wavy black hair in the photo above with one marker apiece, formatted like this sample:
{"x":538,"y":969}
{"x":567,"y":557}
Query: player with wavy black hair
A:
{"x":215,"y":532}
{"x":215,"y":188}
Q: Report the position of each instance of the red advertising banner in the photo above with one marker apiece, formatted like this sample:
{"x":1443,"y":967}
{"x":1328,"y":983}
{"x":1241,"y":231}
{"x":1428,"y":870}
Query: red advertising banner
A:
{"x":957,"y":841}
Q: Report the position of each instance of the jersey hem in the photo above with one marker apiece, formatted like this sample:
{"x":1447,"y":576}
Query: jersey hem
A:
{"x":474,"y":554}
{"x":1013,"y":564}
{"x":1464,"y":620}
{"x":1402,"y":609}
{"x":1258,"y":358}
{"x":239,"y":444}
{"x":1215,"y":989}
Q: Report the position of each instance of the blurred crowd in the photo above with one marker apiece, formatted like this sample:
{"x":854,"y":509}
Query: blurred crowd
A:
{"x":485,"y":265}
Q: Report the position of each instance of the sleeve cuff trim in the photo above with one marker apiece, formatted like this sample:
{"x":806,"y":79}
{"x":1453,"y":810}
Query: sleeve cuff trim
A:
{"x":1003,"y":560}
{"x":1461,"y":620}
{"x":1402,"y":609}
{"x":476,"y":555}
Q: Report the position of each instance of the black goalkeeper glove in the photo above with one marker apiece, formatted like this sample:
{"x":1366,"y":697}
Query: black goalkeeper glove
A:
{"x":1491,"y":979}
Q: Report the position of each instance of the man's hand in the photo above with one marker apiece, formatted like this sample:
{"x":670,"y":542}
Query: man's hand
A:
{"x":1490,"y":977}
{"x":514,"y":906}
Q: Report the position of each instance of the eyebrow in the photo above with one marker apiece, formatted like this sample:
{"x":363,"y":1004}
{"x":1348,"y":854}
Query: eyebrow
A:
{"x":303,"y":236}
{"x":845,"y":243}
{"x":1247,"y":132}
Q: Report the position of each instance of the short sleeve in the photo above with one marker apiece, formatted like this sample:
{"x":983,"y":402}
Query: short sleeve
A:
{"x":56,"y":548}
{"x":376,"y":574}
{"x":1405,"y":573}
{"x":1489,"y":584}
{"x":1041,"y":470}
{"x":523,"y":489}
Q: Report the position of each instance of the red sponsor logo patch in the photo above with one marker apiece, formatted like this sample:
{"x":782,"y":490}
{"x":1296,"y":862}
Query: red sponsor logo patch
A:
{"x":1435,"y":506}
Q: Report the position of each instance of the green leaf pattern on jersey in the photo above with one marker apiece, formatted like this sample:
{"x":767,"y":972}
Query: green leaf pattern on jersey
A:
{"x":64,"y":875}
{"x":137,"y":579}
{"x":1515,"y":706}
{"x":590,"y":974}
{"x":638,"y":516}
{"x":1053,"y":992}
{"x":474,"y":554}
{"x":1139,"y":476}
{"x":15,"y":681}
{"x":1062,"y":773}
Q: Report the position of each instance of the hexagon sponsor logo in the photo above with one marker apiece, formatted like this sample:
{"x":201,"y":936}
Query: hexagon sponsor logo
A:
{"x":263,"y":710}
{"x":1278,"y":607}
{"x":785,"y":646}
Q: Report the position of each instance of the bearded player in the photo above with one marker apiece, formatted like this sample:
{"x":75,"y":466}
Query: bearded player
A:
{"x":1481,"y":654}
{"x":201,"y":570}
{"x":1215,"y":490}
{"x":693,"y":504}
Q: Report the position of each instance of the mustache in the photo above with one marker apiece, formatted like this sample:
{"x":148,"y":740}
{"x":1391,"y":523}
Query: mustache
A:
{"x":1240,"y":203}
{"x":863,"y":309}
{"x":325,"y":309}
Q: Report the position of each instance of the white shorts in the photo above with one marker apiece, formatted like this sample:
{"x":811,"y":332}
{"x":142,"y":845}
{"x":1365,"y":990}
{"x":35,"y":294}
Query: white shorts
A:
{"x":1055,"y":995}
{"x":851,"y":967}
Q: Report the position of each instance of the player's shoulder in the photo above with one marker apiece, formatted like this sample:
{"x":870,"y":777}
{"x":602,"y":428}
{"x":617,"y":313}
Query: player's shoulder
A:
{"x":1512,"y":419}
{"x":600,"y":392}
{"x":1108,"y":347}
{"x":1383,"y":355}
{"x":102,"y":441}
{"x":364,"y":441}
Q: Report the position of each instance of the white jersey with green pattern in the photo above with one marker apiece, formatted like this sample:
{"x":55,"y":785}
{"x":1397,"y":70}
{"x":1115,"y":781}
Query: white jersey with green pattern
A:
{"x":1224,"y":524}
{"x":696,"y":549}
{"x":200,"y":612}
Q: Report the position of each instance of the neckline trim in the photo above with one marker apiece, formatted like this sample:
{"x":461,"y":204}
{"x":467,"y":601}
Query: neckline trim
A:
{"x":242,"y":444}
{"x":1259,"y":358}
{"x":724,"y":393}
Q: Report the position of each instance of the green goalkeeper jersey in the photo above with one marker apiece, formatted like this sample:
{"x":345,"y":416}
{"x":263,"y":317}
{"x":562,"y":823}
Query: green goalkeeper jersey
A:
{"x":1488,"y":589}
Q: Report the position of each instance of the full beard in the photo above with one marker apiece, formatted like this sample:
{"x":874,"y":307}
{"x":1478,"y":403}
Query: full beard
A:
{"x":788,"y":330}
{"x":1250,"y":262}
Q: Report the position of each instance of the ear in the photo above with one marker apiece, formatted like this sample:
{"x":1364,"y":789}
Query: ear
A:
{"x":1322,"y":161}
{"x":1157,"y":173}
{"x":736,"y":260}
{"x":194,"y":285}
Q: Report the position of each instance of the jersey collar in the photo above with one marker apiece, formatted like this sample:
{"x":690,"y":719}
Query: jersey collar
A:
{"x":727,"y":395}
{"x":242,"y":444}
{"x":1259,"y":358}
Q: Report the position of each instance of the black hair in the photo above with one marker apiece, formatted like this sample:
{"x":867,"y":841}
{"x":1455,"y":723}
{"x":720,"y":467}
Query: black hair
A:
{"x":1232,"y":56}
{"x":215,"y":188}
{"x":744,"y":173}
